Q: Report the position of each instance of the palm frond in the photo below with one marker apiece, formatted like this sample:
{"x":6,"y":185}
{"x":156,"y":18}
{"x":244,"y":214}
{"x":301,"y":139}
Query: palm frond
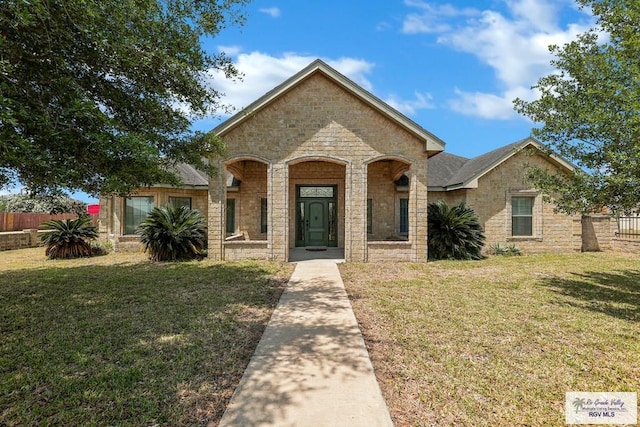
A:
{"x":69,"y":238}
{"x":454,"y":232}
{"x":173,"y":233}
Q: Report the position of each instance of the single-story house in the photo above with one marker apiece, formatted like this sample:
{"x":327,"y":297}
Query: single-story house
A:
{"x":320,"y":162}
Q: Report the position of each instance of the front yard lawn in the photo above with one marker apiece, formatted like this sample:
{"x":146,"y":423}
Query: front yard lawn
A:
{"x":118,"y":340}
{"x":498,"y":342}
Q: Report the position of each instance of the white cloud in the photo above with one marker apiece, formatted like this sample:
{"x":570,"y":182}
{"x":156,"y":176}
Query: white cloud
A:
{"x":408,"y":107}
{"x":274,"y":12}
{"x":432,"y":18}
{"x":541,"y":15}
{"x":513,"y":42}
{"x":262,"y":72}
{"x":489,"y":105}
{"x":230,"y":50}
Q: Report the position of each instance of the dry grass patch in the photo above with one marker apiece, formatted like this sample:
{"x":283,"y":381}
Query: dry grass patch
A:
{"x":118,"y":340}
{"x":498,"y":341}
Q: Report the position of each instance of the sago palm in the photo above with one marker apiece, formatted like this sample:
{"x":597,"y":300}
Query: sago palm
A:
{"x":173,"y":233}
{"x":69,"y":238}
{"x":454,"y":232}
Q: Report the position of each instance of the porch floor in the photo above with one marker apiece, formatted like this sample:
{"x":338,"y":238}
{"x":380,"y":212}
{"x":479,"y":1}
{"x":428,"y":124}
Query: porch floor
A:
{"x":302,"y":254}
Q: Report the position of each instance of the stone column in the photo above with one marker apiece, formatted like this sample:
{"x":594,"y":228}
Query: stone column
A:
{"x":278,"y":211}
{"x":355,"y":245}
{"x":216,"y":212}
{"x":418,"y":211}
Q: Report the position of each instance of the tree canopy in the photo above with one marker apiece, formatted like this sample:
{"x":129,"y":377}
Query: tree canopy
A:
{"x":99,"y":95}
{"x":589,"y":111}
{"x":42,"y":203}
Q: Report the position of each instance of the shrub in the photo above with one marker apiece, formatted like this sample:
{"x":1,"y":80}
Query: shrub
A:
{"x":104,"y":247}
{"x":69,"y":238}
{"x":173,"y":233}
{"x":454,"y":232}
{"x":507,"y":250}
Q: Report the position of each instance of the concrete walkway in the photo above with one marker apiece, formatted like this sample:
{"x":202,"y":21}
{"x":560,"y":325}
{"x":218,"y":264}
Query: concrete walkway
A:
{"x":311,"y":367}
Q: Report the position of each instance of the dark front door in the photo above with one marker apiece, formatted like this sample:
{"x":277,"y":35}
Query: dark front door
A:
{"x":316,"y":216}
{"x":317,"y":225}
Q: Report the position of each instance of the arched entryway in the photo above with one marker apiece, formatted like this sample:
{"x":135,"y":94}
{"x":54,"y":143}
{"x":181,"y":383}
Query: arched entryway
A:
{"x":245,"y":209}
{"x":389,"y":228}
{"x":317,"y":203}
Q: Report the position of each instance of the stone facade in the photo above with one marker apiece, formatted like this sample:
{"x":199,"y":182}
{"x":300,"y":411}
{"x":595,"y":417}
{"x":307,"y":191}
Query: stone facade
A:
{"x":20,"y":239}
{"x":625,"y":245}
{"x":552,"y":232}
{"x":320,"y":133}
{"x":379,"y":251}
{"x":319,"y":129}
{"x":247,"y":249}
{"x":112,"y":213}
{"x":491,"y":200}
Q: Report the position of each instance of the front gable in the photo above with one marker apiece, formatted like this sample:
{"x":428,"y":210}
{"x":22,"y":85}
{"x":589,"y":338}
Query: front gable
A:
{"x":319,"y":111}
{"x":457,"y":173}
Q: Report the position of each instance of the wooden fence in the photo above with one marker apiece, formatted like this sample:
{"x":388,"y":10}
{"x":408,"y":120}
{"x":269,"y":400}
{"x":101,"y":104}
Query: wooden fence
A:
{"x":13,"y":221}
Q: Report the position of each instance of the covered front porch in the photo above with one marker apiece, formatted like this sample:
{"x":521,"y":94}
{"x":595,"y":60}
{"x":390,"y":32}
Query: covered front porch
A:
{"x":326,"y":211}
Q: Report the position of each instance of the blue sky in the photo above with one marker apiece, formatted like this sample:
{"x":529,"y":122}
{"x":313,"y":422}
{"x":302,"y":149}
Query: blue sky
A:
{"x":454,"y":67}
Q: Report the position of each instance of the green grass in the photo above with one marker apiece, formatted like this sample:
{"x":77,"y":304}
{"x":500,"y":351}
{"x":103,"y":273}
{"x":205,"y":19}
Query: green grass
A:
{"x":118,"y":340}
{"x":498,"y":342}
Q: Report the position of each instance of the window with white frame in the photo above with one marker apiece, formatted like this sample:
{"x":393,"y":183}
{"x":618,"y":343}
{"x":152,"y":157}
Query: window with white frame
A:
{"x":522,"y":216}
{"x":525,"y":214}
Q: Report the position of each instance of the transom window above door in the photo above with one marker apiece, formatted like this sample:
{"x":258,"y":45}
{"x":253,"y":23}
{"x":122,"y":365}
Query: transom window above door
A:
{"x":316,"y":191}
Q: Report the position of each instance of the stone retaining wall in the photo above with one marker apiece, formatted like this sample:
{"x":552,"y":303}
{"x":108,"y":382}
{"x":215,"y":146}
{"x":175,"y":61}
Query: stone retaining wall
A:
{"x":19,"y":239}
{"x":625,"y":245}
{"x":388,"y":251}
{"x":246,"y":249}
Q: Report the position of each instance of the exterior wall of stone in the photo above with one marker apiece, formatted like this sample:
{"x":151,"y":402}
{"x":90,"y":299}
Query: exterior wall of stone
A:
{"x":161,"y":197}
{"x":625,"y":245}
{"x":385,"y":205}
{"x":389,"y":251}
{"x":318,"y":120}
{"x":491,"y":200}
{"x":112,"y":213}
{"x":418,"y":202}
{"x":29,"y":238}
{"x":451,"y":198}
{"x":112,"y":209}
{"x":278,"y":211}
{"x":249,"y":249}
{"x":216,"y":198}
